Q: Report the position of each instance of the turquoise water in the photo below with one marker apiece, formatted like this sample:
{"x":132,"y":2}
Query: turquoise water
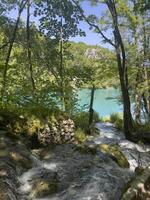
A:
{"x":105,"y":100}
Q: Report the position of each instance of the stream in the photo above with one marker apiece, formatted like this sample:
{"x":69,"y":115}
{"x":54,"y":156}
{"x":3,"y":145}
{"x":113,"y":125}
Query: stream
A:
{"x":65,"y":173}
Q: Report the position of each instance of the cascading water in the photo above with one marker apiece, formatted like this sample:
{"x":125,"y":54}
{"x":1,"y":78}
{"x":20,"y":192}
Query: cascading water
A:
{"x":64,"y":173}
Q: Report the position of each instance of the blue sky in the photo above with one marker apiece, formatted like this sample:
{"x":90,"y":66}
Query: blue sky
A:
{"x":91,"y":37}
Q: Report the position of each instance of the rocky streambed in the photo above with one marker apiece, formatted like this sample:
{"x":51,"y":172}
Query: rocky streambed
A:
{"x":97,"y":170}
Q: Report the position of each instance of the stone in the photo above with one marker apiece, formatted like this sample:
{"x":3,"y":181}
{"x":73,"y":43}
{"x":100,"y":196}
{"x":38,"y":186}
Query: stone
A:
{"x":57,"y":133}
{"x":45,"y":183}
{"x":139,"y":187}
{"x":116,"y":154}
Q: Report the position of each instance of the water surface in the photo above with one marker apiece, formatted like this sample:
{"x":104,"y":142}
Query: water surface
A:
{"x":105,"y":100}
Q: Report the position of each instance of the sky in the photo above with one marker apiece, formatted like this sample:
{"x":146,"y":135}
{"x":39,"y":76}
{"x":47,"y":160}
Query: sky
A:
{"x":91,"y":38}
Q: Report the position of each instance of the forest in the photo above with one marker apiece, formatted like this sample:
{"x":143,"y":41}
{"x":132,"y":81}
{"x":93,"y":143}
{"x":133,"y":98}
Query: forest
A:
{"x":51,"y":146}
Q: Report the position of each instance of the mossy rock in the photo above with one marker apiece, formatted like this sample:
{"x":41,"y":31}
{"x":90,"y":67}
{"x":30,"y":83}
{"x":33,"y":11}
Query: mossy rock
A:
{"x":43,"y":188}
{"x":116,"y":154}
{"x":80,"y":136}
{"x":139,"y":187}
{"x":20,"y":160}
{"x":86,"y":149}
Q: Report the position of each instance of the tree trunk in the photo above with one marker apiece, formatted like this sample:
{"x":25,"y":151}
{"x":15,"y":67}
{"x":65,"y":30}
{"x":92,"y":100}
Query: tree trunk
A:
{"x":91,"y":111}
{"x":138,"y":94}
{"x":121,"y":60}
{"x":126,"y":100}
{"x":29,"y":51}
{"x":122,"y":68}
{"x":62,"y":68}
{"x":146,"y":72}
{"x":3,"y":90}
{"x":138,"y":105}
{"x":145,"y":103}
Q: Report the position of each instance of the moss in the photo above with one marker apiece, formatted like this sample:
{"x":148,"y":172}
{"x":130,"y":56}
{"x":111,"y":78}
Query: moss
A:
{"x":3,"y":153}
{"x":138,"y":187}
{"x":80,"y":136}
{"x":44,"y":188}
{"x":86,"y":149}
{"x":116,"y":153}
{"x":20,"y":160}
{"x":33,"y":125}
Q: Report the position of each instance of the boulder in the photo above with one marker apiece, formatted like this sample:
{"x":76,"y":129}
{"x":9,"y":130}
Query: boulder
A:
{"x":116,"y":154}
{"x":139,"y":187}
{"x":45,"y":184}
{"x":57,"y":133}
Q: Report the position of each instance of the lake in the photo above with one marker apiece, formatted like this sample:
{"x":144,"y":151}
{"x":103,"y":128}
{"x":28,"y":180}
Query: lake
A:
{"x":105,"y":100}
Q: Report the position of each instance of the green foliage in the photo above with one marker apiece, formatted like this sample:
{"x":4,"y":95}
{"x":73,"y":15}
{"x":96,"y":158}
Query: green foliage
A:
{"x":115,"y":116}
{"x":80,"y":136}
{"x":94,"y":66}
{"x":55,"y":15}
{"x":27,"y":120}
{"x":81,"y":120}
{"x":116,"y":153}
{"x":105,"y":119}
{"x":83,"y":65}
{"x":117,"y":120}
{"x":142,"y":128}
{"x":119,"y":124}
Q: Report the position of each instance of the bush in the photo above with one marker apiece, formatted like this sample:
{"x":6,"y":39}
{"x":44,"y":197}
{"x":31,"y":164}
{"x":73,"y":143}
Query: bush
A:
{"x":145,"y":127}
{"x":106,"y":119}
{"x":117,"y":120}
{"x":26,"y":121}
{"x":81,"y":120}
{"x":115,"y":116}
{"x":80,"y":136}
{"x":119,"y":124}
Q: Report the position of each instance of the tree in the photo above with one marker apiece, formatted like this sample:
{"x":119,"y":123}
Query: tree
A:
{"x":22,"y":5}
{"x":59,"y":19}
{"x":29,"y":52}
{"x":120,"y":56}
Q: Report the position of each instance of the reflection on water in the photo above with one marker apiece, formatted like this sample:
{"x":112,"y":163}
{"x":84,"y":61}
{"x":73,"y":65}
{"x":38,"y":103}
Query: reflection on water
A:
{"x":105,"y":100}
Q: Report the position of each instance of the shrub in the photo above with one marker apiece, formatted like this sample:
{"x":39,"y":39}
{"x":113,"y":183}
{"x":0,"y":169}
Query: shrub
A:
{"x":119,"y":124}
{"x":115,"y":116}
{"x":145,"y":127}
{"x":82,"y":120}
{"x":106,"y":119}
{"x":80,"y":136}
{"x":117,"y":120}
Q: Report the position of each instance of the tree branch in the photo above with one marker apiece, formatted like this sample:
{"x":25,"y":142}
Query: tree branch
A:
{"x":4,"y":45}
{"x":92,"y":24}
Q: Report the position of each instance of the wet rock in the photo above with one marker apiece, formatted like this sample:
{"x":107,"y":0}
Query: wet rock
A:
{"x":136,"y":154}
{"x":45,"y":183}
{"x":139,"y":188}
{"x":116,"y":154}
{"x":14,"y":160}
{"x":77,"y":175}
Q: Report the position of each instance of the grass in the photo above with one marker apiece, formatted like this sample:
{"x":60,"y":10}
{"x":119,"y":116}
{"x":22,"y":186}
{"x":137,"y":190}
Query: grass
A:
{"x":80,"y":136}
{"x":114,"y":118}
{"x":81,"y":120}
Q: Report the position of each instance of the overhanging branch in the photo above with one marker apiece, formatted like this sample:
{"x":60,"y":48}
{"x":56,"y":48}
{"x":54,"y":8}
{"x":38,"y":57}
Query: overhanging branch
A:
{"x":93,"y":24}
